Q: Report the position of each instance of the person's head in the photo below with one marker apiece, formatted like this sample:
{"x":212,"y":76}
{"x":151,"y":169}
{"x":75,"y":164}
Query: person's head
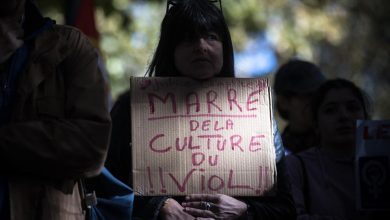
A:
{"x":11,"y":29}
{"x":295,"y":82}
{"x":11,"y":8}
{"x":336,"y":106}
{"x":194,"y":41}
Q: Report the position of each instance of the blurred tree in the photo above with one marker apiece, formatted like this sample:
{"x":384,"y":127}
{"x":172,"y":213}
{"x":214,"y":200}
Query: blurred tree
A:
{"x":347,"y":38}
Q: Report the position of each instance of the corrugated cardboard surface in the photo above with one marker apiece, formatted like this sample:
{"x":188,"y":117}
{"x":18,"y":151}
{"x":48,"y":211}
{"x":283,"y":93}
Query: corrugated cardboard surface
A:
{"x":210,"y":136}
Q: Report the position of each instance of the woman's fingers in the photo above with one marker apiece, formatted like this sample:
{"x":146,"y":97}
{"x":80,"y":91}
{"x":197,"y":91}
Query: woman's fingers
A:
{"x":203,"y":197}
{"x":199,"y":212}
{"x":201,"y":205}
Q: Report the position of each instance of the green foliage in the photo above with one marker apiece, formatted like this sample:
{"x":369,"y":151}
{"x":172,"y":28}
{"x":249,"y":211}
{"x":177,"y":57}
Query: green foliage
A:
{"x":346,"y":38}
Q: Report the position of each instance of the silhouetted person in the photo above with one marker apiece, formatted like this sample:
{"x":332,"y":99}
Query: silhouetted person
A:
{"x":54,"y":123}
{"x":295,"y":82}
{"x":323,"y":177}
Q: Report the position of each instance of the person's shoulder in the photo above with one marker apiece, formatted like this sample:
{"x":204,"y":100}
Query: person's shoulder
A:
{"x":60,"y":32}
{"x":72,"y":39}
{"x":306,"y":155}
{"x":67,"y":29}
{"x":122,"y":105}
{"x":124,"y":96}
{"x":72,"y":35}
{"x":309,"y":153}
{"x":123,"y":99}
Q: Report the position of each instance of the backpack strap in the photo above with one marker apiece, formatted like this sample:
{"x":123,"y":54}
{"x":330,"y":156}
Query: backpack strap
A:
{"x":88,"y":199}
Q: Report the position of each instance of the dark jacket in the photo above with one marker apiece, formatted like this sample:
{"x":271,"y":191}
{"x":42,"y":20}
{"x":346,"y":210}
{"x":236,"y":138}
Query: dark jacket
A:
{"x":59,"y":127}
{"x":324,"y":186}
{"x":119,"y":162}
{"x":296,"y":142}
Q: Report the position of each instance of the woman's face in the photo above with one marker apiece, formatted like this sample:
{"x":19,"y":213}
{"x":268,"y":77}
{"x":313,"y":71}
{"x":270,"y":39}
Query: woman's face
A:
{"x":337,"y":117}
{"x":201,"y":58}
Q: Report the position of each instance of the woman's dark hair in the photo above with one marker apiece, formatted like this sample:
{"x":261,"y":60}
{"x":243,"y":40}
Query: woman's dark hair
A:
{"x":339,"y":83}
{"x":190,"y":19}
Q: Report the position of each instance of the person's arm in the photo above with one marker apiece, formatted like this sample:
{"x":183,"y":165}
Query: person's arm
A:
{"x":118,"y":160}
{"x":69,"y":136}
{"x":279,"y":206}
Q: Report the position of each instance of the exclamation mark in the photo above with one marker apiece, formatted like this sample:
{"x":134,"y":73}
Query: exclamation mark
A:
{"x":267,"y":177}
{"x":160,"y":171}
{"x":150,"y":180}
{"x":202,"y":180}
{"x":258,"y":191}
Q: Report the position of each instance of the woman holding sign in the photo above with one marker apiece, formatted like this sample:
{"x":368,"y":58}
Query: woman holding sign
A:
{"x":195,"y":42}
{"x":323,"y":177}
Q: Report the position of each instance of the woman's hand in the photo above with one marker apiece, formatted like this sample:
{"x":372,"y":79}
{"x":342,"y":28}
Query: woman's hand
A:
{"x":219,"y":206}
{"x":172,"y":210}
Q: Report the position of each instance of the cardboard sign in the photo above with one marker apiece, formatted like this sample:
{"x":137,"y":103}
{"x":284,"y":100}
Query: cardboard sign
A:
{"x":210,"y":136}
{"x":373,"y":165}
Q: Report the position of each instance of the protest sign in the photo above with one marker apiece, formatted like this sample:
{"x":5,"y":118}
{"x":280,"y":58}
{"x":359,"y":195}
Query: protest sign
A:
{"x":373,"y":165}
{"x":212,"y":136}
